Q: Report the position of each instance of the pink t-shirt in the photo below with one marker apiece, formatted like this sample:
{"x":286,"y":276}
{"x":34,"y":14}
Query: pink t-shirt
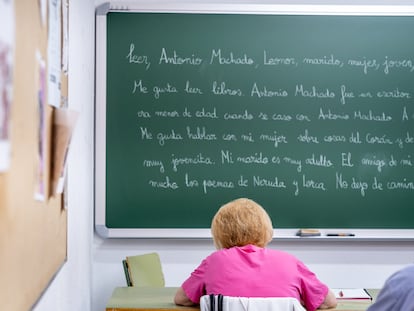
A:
{"x":251,"y":271}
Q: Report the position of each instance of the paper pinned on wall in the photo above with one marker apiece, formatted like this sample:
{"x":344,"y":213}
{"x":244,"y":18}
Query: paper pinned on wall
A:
{"x":54,"y":53}
{"x":65,"y":36}
{"x":43,"y":11}
{"x":7,"y":38}
{"x":40,"y":186}
{"x":64,"y":121}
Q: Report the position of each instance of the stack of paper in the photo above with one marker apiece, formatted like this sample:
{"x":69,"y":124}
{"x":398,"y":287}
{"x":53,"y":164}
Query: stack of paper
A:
{"x":351,"y":293}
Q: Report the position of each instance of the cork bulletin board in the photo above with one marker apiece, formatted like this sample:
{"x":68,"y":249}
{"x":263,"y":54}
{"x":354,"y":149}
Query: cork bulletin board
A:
{"x":33,"y":221}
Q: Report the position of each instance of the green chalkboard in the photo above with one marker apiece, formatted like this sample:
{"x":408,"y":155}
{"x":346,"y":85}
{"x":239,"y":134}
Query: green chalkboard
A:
{"x":312,"y":116}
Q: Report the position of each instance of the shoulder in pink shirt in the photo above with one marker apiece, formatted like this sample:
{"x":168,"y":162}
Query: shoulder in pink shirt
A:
{"x":251,"y":271}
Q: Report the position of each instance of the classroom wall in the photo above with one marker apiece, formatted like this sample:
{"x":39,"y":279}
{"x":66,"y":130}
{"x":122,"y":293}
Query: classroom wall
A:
{"x":94,"y":267}
{"x":72,"y":286}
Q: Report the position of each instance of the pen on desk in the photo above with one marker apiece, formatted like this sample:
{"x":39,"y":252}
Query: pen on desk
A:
{"x":340,"y":234}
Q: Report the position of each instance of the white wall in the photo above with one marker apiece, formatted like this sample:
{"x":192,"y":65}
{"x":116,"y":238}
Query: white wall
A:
{"x":94,"y":267}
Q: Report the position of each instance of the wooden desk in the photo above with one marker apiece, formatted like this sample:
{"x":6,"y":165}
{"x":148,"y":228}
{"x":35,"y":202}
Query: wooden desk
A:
{"x":145,"y":299}
{"x":161,"y":299}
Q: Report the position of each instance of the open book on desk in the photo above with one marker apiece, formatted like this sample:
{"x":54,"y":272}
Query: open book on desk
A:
{"x":351,"y":293}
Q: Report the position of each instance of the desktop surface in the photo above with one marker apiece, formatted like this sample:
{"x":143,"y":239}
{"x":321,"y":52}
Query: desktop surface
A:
{"x":161,"y":299}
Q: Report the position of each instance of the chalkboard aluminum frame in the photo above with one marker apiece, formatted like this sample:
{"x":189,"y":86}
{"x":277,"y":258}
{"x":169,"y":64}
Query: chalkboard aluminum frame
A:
{"x":100,"y":113}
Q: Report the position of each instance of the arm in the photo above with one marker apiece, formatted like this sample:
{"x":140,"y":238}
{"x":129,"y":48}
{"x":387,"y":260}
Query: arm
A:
{"x":182,"y":299}
{"x":329,"y":302}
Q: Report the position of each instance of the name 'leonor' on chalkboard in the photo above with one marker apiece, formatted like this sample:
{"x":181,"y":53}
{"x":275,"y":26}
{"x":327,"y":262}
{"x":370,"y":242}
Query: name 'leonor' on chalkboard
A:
{"x":314,"y":122}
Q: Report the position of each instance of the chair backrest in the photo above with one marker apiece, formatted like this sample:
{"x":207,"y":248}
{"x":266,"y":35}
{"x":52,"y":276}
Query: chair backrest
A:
{"x":145,"y":270}
{"x":228,"y":303}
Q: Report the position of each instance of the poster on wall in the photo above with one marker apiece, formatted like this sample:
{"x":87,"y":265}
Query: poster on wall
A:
{"x":7,"y":21}
{"x":40,"y":187}
{"x":54,"y":53}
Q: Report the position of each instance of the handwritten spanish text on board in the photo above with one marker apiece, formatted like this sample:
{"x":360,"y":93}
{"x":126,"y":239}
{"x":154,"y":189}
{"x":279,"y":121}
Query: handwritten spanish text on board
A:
{"x":311,"y":116}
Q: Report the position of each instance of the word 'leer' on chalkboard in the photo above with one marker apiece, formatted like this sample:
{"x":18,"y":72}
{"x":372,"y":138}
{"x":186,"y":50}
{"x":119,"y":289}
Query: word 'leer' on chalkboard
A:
{"x":312,"y":116}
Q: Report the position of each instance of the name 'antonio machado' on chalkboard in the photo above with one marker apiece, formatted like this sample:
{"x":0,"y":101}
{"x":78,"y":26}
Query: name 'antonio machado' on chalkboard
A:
{"x":232,"y":58}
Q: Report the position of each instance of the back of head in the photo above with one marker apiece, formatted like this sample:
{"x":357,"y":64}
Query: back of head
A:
{"x":241,"y":222}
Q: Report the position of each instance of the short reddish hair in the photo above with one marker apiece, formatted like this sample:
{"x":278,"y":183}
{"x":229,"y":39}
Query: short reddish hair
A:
{"x":241,"y":222}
